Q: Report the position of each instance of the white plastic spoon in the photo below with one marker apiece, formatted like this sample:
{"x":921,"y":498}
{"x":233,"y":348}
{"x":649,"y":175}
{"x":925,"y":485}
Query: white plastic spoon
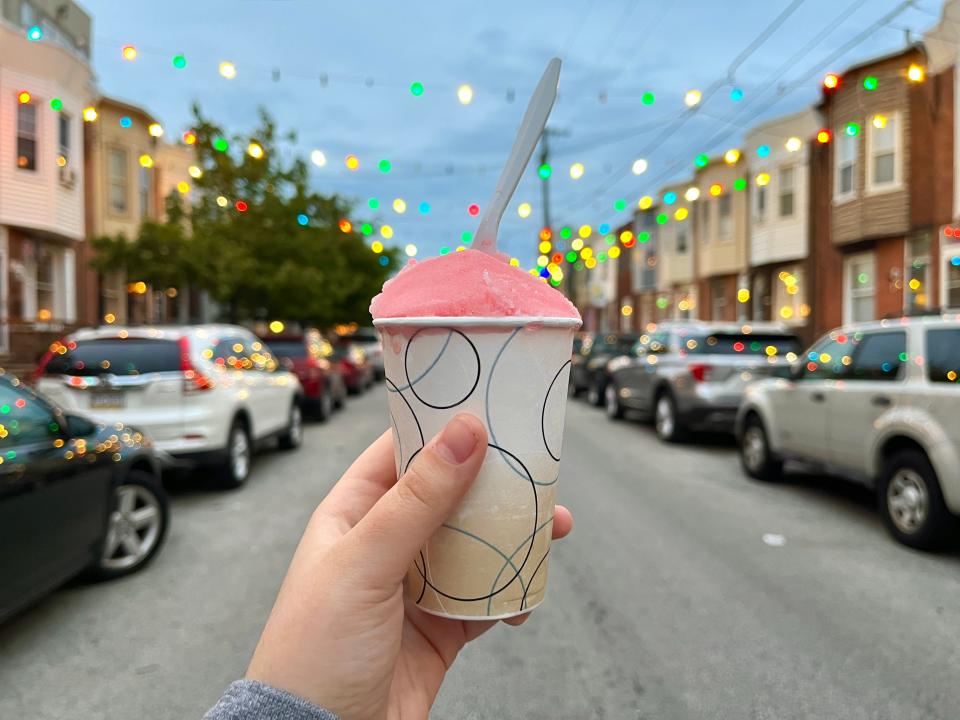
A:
{"x":534,"y":120}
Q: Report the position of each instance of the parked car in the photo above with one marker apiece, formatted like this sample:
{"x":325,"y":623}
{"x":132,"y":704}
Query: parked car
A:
{"x":357,"y":370}
{"x":878,"y":402}
{"x":369,"y":341}
{"x":587,"y":368}
{"x":691,"y":376}
{"x":74,"y":496}
{"x":205,"y":394}
{"x":308,"y":354}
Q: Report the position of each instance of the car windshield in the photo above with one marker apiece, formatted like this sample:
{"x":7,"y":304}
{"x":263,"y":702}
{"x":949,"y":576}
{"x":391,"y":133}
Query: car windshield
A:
{"x":612,"y":344}
{"x":740,"y":344}
{"x":289,"y":348}
{"x":114,"y":356}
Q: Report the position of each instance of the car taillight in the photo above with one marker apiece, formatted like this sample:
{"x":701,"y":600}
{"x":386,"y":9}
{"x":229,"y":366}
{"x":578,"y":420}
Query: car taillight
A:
{"x":193,"y":379}
{"x":700,"y":373}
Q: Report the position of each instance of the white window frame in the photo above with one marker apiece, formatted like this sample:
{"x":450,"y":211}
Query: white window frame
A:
{"x":728,"y":226}
{"x":848,"y":292}
{"x":870,"y":187}
{"x":113,"y":181}
{"x":760,"y":212}
{"x":947,"y":252}
{"x":841,"y":135}
{"x":792,"y":169}
{"x":908,"y":260}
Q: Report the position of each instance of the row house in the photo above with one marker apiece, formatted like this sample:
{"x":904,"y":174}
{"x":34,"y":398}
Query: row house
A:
{"x":44,"y":88}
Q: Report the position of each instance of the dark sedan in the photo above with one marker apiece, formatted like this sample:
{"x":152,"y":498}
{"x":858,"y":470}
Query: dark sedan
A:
{"x":588,"y":367}
{"x":74,"y":496}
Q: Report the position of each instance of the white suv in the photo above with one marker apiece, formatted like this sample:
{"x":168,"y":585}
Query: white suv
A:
{"x":205,"y":394}
{"x":876,"y":401}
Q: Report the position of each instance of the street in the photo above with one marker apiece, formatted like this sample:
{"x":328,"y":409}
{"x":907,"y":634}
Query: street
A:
{"x":684,"y":591}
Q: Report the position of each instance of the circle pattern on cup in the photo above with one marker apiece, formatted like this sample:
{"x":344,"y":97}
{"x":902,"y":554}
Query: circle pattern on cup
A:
{"x":426,"y":350}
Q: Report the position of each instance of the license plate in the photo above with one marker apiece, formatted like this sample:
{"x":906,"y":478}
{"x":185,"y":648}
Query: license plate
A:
{"x":106,"y":400}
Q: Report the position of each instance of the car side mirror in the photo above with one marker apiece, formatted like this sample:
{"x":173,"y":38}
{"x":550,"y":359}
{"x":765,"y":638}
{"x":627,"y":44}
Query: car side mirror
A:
{"x":796,"y":370}
{"x":77,"y":426}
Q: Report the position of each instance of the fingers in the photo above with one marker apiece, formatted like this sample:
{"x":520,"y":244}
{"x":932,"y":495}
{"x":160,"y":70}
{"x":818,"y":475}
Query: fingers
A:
{"x":390,"y":535}
{"x":562,"y":522}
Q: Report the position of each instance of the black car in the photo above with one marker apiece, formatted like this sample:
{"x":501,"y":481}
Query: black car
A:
{"x":588,"y":367}
{"x":74,"y":496}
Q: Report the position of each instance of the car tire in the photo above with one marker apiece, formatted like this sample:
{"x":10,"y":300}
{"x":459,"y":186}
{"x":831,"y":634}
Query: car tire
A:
{"x":666,"y":422}
{"x":292,"y":436}
{"x":325,"y":405}
{"x":136,"y":526}
{"x":756,"y":458}
{"x":911,"y":502}
{"x":614,"y":409}
{"x":236,"y":468}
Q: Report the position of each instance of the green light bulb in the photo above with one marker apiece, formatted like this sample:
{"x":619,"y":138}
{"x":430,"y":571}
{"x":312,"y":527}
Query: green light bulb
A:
{"x":384,"y":166}
{"x":179,"y":62}
{"x":620,"y":205}
{"x":221,"y":145}
{"x":416,"y":89}
{"x":648,"y":98}
{"x":545,"y":171}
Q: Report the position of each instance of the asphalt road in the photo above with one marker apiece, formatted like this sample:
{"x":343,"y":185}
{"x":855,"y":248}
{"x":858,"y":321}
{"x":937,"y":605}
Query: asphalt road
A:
{"x":685,"y":591}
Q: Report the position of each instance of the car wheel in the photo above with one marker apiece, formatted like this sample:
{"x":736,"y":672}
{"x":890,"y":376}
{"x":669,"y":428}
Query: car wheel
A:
{"x":236,"y":469}
{"x":911,"y":503}
{"x":136,"y":526}
{"x":666,"y":420}
{"x":292,"y":437}
{"x":755,"y":456}
{"x":612,"y":403}
{"x":325,"y":405}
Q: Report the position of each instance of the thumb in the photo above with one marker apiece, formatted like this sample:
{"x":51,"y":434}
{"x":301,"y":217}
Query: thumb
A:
{"x":390,"y":536}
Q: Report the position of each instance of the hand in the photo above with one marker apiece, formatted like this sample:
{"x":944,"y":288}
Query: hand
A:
{"x":342,"y":633}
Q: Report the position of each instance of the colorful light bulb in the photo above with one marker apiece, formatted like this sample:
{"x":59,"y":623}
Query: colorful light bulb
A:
{"x":639,"y":166}
{"x":318,"y":158}
{"x":465,"y":94}
{"x":129,"y":53}
{"x":227,"y":70}
{"x":179,"y":62}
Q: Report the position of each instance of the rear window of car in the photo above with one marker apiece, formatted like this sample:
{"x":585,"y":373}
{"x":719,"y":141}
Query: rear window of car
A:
{"x":115,"y":356}
{"x":289,"y":348}
{"x":943,"y":355}
{"x":612,"y":344}
{"x":740,"y":344}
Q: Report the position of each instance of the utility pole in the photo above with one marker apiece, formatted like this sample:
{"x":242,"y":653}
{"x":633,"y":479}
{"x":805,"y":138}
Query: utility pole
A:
{"x":545,"y":182}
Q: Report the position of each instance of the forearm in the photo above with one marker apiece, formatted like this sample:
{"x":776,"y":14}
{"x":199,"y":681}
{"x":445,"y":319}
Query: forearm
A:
{"x":251,"y":700}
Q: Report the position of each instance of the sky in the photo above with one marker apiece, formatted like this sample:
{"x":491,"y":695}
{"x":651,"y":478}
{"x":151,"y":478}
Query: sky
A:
{"x":339,"y":75}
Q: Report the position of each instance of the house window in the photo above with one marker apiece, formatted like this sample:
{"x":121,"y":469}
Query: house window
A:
{"x":788,"y":292}
{"x":682,"y":240}
{"x":718,"y":300}
{"x":883,"y":142}
{"x":859,"y":288}
{"x":951,"y":278}
{"x":64,"y":126}
{"x":760,"y":203}
{"x":145,"y":185}
{"x":117,"y":173}
{"x":725,"y":203}
{"x":705,"y":221}
{"x":636,"y":270}
{"x":46,"y":284}
{"x":760,"y":298}
{"x":786,"y":192}
{"x":27,"y":136}
{"x":846,"y":163}
{"x":916,"y":290}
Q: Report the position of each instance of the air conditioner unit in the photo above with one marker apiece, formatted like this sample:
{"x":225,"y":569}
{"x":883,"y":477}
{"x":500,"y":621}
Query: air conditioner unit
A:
{"x":67,"y":176}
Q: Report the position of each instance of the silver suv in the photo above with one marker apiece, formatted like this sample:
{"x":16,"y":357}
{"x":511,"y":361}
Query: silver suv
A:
{"x":691,"y":375}
{"x":879,"y":402}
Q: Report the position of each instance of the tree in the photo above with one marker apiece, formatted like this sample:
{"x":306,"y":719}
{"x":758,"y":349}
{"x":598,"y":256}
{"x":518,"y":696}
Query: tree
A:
{"x":255,"y":237}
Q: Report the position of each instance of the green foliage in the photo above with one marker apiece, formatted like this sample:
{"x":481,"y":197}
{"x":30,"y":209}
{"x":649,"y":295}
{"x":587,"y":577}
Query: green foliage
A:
{"x":260,"y":263}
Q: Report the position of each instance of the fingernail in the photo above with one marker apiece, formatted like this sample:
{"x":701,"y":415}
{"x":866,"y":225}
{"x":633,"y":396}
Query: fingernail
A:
{"x":457,"y":441}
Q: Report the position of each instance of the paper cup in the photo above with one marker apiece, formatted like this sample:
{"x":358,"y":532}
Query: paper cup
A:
{"x":489,"y":559}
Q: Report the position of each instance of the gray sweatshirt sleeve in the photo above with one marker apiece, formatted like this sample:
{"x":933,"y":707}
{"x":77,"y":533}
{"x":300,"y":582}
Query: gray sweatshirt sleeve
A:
{"x":251,"y":700}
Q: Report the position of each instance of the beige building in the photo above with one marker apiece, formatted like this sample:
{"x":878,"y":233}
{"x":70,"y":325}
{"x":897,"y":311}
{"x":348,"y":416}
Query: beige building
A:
{"x":720,"y":237}
{"x":45,"y":84}
{"x":677,"y":296}
{"x":131,"y":171}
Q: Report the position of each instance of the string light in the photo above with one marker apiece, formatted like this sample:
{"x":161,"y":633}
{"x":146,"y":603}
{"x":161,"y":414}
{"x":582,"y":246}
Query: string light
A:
{"x":736,"y":94}
{"x":731,"y":156}
{"x":465,"y":94}
{"x":831,"y":81}
{"x":376,"y":246}
{"x":662,"y":219}
{"x":823,"y":137}
{"x":183,"y":187}
{"x":716,"y":190}
{"x":220,"y":144}
{"x":373,"y":203}
{"x":763,"y":151}
{"x":763,"y":179}
{"x":544,"y":171}
{"x":691,"y":194}
{"x":146,"y":161}
{"x":399,"y":206}
{"x":692,"y":98}
{"x":681,"y":214}
{"x":384,"y":166}
{"x":386,"y":232}
{"x":56,"y":104}
{"x":879,"y":121}
{"x":645,"y":203}
{"x":228,"y":70}
{"x":743,"y":295}
{"x":639,"y":166}
{"x":648,"y":98}
{"x":916,"y":73}
{"x":179,"y":62}
{"x":576,"y":171}
{"x":35,"y":33}
{"x":576,"y":245}
{"x":241,"y":206}
{"x":424,"y":208}
{"x":524,"y":210}
{"x":793,"y":144}
{"x":195,"y":172}
{"x":129,"y":53}
{"x":155,"y":129}
{"x":416,"y":89}
{"x":585,"y":231}
{"x":669,"y":198}
{"x":852,"y":129}
{"x":870,"y":82}
{"x":318,"y":158}
{"x":302,"y":219}
{"x":544,"y":247}
{"x":740,"y":184}
{"x":189,"y":137}
{"x":24,"y":97}
{"x":222,"y":201}
{"x":366,"y":229}
{"x":702,"y":160}
{"x":384,"y":260}
{"x":345,"y":226}
{"x":126,"y":122}
{"x":410,"y":250}
{"x":619,"y":204}
{"x":352,"y":162}
{"x":466,"y":237}
{"x":90,"y":114}
{"x":473,"y":210}
{"x":603,"y":228}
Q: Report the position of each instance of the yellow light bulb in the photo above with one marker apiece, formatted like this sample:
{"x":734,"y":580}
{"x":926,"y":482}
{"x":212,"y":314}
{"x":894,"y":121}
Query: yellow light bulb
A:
{"x":879,"y":121}
{"x":465,"y":94}
{"x":793,"y":144}
{"x":763,"y":179}
{"x":386,"y":232}
{"x":90,"y":114}
{"x":731,"y":156}
{"x":228,"y":70}
{"x":146,"y":161}
{"x":916,"y":73}
{"x":681,"y":214}
{"x":195,"y":172}
{"x":410,"y":250}
{"x":692,"y":98}
{"x":399,"y":206}
{"x":155,"y":129}
{"x":524,"y":210}
{"x":255,"y":150}
{"x":576,"y":171}
{"x":645,"y":203}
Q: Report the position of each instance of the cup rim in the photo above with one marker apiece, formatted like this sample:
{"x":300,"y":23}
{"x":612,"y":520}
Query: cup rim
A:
{"x":478,"y":321}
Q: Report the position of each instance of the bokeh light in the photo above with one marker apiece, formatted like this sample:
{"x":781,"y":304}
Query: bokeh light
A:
{"x":399,"y":206}
{"x":576,"y":171}
{"x":410,"y":250}
{"x":691,"y":194}
{"x":645,"y":203}
{"x":352,"y":162}
{"x":639,"y":166}
{"x":465,"y":94}
{"x":384,"y":166}
{"x":227,"y":70}
{"x":416,"y":89}
{"x":386,"y":232}
{"x":318,"y":158}
{"x":179,"y":62}
{"x":524,"y":210}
